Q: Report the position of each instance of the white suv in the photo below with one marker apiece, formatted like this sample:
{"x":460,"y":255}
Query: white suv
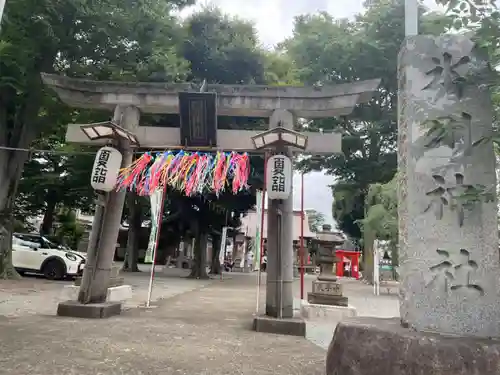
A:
{"x":35,"y":253}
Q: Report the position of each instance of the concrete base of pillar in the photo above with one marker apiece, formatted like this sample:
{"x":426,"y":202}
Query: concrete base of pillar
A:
{"x":76,"y":309}
{"x":115,"y":294}
{"x":327,"y":299}
{"x":312,"y":311}
{"x":290,"y":326}
{"x":371,"y":346}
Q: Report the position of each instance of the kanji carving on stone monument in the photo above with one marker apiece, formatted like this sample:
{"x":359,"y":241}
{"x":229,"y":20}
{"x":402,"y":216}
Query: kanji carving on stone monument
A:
{"x":456,"y":196}
{"x":450,"y":131}
{"x":445,"y":75}
{"x":455,"y":275}
{"x":443,"y":270}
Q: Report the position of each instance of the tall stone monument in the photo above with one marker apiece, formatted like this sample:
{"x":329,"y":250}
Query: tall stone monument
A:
{"x":449,"y":257}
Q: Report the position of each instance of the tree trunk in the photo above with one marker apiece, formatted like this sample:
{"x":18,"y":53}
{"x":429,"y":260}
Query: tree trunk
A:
{"x":199,"y":269}
{"x":134,"y":230}
{"x":215,"y":267}
{"x":48,"y":216}
{"x":11,"y":168}
{"x":18,"y":129}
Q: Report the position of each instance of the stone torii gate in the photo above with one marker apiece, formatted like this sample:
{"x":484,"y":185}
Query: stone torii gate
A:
{"x":282,"y":105}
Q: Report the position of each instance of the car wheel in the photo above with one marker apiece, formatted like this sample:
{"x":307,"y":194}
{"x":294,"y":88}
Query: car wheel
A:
{"x":53,"y":270}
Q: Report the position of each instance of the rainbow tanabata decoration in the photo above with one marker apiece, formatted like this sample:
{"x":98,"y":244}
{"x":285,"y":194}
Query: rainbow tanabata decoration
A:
{"x":191,"y":173}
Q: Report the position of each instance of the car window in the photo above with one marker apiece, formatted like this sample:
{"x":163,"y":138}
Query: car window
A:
{"x":48,"y":244}
{"x":25,"y":241}
{"x":35,"y":239}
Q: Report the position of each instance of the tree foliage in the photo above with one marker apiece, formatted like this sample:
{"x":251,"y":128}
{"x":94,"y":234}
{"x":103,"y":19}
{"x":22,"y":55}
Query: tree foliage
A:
{"x":96,"y":39}
{"x":315,"y":220}
{"x":328,"y":51}
{"x":382,"y":211}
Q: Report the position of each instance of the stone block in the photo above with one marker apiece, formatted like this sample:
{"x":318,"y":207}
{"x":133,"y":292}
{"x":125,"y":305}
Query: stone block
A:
{"x":119,"y":293}
{"x":115,"y":281}
{"x":285,"y":326}
{"x":90,"y":311}
{"x":371,"y":346}
{"x":115,"y":294}
{"x":311,"y":311}
{"x":327,"y":287}
{"x":325,"y":299}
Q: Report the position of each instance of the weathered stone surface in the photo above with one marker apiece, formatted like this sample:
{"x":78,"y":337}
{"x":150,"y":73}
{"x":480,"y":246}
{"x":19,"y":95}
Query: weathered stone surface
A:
{"x":326,"y":299}
{"x":76,"y":309}
{"x":449,"y":263}
{"x":286,"y":326}
{"x":330,"y":313}
{"x":233,"y":100}
{"x":370,"y":346}
{"x":327,"y":287}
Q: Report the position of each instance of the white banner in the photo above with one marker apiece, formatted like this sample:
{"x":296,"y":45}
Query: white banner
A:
{"x":222,"y":245}
{"x":258,"y":232}
{"x":156,"y":201}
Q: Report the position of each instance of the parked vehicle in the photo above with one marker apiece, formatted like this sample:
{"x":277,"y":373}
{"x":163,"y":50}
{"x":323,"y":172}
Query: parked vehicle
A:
{"x":36,"y":254}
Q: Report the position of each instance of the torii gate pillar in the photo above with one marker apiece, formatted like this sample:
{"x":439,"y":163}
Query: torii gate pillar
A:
{"x":279,"y":288}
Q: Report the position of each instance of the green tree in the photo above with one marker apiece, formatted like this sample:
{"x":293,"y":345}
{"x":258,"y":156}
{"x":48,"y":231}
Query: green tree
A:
{"x":315,"y":220}
{"x":329,"y":51}
{"x":380,"y":221}
{"x":222,"y":49}
{"x":101,"y":40}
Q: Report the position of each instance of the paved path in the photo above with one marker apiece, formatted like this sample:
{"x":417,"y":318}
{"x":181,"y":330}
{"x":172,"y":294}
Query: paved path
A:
{"x":361,"y":297}
{"x":204,"y":331}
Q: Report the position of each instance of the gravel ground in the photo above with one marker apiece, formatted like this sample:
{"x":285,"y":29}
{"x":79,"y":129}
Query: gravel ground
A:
{"x":196,"y":327}
{"x":35,"y":295}
{"x":204,"y":331}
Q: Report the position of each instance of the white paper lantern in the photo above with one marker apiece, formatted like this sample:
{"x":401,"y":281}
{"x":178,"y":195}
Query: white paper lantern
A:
{"x":279,"y":177}
{"x":107,"y":165}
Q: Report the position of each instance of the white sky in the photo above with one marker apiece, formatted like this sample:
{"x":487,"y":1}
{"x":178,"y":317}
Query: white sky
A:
{"x":274,"y":22}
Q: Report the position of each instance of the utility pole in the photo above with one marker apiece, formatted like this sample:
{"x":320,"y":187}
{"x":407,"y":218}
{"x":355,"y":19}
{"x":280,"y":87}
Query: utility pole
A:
{"x":411,"y":17}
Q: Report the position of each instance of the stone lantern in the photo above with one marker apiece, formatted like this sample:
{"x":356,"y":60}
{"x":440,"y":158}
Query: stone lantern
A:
{"x":326,"y":289}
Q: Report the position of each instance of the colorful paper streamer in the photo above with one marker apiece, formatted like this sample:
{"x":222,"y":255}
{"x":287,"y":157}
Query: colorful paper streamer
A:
{"x":190,"y":172}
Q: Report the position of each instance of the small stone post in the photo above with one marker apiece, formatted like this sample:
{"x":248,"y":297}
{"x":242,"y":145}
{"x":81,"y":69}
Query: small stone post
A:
{"x":326,"y":289}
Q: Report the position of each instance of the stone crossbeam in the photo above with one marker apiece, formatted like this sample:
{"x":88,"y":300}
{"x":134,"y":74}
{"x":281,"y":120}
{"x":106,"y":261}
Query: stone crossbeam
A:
{"x":232,"y":100}
{"x":153,"y":137}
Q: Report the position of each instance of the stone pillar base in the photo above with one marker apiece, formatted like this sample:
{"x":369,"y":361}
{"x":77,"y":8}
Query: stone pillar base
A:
{"x":325,"y":299}
{"x":91,"y":311}
{"x":371,"y":346}
{"x":328,"y":313}
{"x":286,"y":326}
